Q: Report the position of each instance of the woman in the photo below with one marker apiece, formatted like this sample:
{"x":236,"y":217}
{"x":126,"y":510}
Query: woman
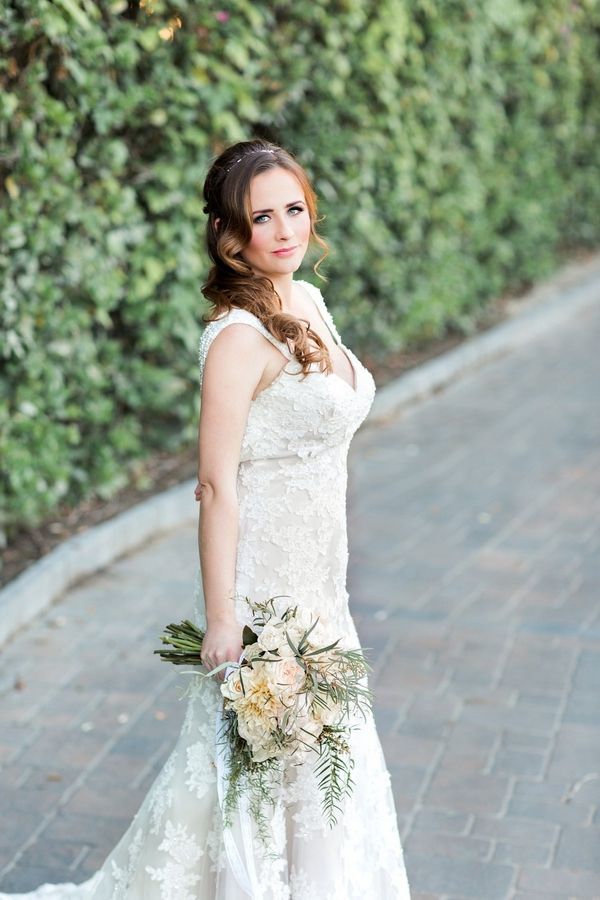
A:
{"x":281,"y":399}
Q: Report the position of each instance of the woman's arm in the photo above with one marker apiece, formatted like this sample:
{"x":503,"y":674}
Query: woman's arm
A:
{"x":232,"y":370}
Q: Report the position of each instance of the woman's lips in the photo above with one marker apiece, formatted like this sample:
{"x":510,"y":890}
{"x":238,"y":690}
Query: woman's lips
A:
{"x":285,"y":251}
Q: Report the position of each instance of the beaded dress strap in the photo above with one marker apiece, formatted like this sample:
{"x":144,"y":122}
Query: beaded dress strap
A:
{"x":318,"y":298}
{"x":233,"y":317}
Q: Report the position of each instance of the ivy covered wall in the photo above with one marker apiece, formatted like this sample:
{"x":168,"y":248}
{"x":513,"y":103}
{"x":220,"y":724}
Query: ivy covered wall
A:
{"x":454,"y":147}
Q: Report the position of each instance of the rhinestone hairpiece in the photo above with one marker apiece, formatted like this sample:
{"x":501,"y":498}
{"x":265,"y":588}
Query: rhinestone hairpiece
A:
{"x":249,"y":153}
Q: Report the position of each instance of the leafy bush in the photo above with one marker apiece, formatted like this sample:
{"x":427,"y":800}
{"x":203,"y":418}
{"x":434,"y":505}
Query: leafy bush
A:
{"x":454,"y":147}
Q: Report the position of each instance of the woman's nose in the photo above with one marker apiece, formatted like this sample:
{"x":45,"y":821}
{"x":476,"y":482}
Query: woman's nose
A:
{"x":285,"y":230}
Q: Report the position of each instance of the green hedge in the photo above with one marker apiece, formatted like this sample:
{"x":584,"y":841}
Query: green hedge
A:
{"x":455,"y":150}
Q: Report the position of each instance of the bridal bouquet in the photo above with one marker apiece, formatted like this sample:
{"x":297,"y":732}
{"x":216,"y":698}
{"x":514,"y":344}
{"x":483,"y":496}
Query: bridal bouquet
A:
{"x":292,"y":693}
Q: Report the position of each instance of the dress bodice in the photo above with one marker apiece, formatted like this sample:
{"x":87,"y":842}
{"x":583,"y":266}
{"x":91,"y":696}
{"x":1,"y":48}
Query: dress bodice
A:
{"x":296,"y":415}
{"x":292,"y":475}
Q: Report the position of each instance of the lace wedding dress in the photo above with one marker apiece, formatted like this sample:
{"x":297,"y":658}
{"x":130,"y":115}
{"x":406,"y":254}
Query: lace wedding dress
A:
{"x":292,"y":540}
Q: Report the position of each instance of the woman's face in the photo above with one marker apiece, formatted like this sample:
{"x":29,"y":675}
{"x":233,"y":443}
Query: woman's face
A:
{"x":280,"y":224}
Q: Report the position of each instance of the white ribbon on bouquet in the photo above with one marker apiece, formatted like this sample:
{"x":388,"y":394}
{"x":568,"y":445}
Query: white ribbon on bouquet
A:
{"x":242,"y":864}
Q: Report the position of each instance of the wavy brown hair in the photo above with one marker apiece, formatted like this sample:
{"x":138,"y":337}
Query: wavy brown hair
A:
{"x":231,"y":282}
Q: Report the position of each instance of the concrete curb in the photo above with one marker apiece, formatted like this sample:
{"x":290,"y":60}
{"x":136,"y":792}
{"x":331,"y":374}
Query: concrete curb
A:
{"x":44,"y":582}
{"x":549,"y":305}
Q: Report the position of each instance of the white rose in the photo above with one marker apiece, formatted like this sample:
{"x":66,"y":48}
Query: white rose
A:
{"x":322,"y":636}
{"x":305,"y":620}
{"x":252,"y":651}
{"x":285,"y":675}
{"x":231,"y":688}
{"x":285,"y":651}
{"x":271,"y":637}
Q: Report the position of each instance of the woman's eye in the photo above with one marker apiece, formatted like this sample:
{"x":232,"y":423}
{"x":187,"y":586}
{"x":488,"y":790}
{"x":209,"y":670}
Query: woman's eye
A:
{"x":295,"y":210}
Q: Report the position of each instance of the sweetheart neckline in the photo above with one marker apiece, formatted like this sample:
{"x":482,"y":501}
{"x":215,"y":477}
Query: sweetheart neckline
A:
{"x":354,"y":387}
{"x":283,"y":372}
{"x":336,"y":337}
{"x":350,"y":356}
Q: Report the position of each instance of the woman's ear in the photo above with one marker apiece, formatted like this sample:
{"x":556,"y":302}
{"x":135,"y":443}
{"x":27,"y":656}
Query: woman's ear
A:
{"x":217,"y":224}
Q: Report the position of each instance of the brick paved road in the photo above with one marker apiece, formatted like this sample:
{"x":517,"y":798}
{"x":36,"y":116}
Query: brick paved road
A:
{"x":475,"y":573}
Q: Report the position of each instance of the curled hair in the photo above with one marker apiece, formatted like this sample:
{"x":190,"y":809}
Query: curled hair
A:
{"x":231,"y":282}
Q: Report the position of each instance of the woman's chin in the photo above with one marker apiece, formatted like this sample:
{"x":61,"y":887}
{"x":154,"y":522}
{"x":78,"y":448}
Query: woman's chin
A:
{"x":284,"y":266}
{"x":288,"y":264}
{"x":287,"y":267}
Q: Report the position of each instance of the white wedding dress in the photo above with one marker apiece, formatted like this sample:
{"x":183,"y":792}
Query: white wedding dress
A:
{"x":292,"y":540}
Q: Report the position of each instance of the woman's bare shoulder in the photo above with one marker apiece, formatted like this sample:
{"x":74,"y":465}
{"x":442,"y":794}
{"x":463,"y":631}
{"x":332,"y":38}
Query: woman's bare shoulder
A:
{"x":237,"y":338}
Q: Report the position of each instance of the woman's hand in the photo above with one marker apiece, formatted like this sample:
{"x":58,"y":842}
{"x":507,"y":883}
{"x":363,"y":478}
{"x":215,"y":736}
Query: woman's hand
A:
{"x":222,"y":643}
{"x":198,"y":492}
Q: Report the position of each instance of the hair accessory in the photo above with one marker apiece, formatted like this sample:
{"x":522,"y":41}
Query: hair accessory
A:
{"x":249,"y":153}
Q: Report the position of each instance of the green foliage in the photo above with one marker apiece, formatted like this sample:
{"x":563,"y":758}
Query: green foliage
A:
{"x":333,"y":772}
{"x":454,"y":147}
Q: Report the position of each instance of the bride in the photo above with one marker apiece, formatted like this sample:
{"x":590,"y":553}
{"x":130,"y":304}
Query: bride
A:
{"x":281,"y":399}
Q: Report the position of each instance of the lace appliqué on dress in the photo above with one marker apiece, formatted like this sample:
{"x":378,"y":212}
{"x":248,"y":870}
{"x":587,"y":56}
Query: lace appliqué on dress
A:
{"x":177,"y":876}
